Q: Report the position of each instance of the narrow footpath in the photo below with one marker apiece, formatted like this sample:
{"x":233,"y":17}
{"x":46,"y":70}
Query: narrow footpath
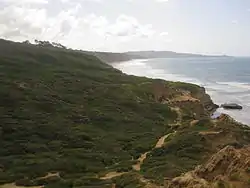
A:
{"x":137,"y":167}
{"x":160,"y":143}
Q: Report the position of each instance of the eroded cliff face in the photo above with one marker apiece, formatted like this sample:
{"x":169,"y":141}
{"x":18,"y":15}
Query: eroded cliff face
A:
{"x":228,"y":160}
{"x":193,"y":100}
{"x":229,"y":167}
{"x":206,"y":100}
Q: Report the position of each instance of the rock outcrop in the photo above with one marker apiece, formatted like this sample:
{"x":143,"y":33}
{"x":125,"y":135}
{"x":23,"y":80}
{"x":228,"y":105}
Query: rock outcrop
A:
{"x":193,"y":101}
{"x":206,"y":100}
{"x":232,"y":106}
{"x":227,"y":168}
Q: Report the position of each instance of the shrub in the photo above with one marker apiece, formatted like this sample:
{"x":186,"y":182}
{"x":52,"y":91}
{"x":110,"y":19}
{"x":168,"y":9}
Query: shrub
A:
{"x":248,"y":170}
{"x":235,"y":176}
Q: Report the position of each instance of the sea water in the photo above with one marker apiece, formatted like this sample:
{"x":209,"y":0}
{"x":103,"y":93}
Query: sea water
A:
{"x":226,"y":79}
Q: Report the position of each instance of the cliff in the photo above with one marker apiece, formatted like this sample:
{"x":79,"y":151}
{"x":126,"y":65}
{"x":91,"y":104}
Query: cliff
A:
{"x":110,"y":57}
{"x":227,"y":168}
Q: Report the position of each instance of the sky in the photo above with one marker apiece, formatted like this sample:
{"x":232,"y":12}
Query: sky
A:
{"x":194,"y":26}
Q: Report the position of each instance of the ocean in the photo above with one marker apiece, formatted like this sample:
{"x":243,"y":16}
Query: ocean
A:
{"x":226,"y":79}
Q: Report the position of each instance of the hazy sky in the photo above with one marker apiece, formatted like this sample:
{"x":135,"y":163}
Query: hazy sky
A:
{"x":197,"y":26}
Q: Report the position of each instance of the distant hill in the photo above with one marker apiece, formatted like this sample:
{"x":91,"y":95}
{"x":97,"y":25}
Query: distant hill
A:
{"x":113,"y":57}
{"x":162,"y":54}
{"x":110,"y":57}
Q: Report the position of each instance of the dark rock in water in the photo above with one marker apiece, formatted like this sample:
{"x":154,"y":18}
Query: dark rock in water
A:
{"x":216,"y":106}
{"x":231,"y":106}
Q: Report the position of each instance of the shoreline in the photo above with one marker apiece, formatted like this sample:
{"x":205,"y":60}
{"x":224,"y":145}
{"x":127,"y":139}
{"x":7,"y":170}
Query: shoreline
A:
{"x":124,"y":66}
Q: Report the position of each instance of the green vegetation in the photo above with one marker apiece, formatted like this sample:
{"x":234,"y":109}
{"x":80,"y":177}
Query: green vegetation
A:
{"x":220,"y":184}
{"x":194,"y":89}
{"x":248,"y":170}
{"x":235,"y":177}
{"x":188,"y":148}
{"x":68,"y":112}
{"x":202,"y":125}
{"x":130,"y":180}
{"x":182,"y":153}
{"x":65,"y":111}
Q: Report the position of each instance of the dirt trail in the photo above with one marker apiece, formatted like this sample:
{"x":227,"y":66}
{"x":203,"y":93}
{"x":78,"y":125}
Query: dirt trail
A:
{"x":111,"y":175}
{"x":137,"y":166}
{"x":49,"y":175}
{"x":194,"y":122}
{"x":140,"y":160}
{"x":148,"y":183}
{"x":13,"y":185}
{"x":210,"y":132}
{"x":160,"y":143}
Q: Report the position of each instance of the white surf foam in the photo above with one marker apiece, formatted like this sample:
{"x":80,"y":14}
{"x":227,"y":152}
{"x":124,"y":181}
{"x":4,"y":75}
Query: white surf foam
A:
{"x":141,"y":68}
{"x":242,"y":86}
{"x":221,"y":92}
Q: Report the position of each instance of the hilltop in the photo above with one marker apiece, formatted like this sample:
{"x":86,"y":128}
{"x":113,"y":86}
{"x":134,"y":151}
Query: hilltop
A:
{"x":69,"y":120}
{"x":110,"y":57}
{"x":113,"y":57}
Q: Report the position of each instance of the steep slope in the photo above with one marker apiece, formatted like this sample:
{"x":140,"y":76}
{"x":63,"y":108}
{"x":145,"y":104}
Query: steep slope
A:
{"x":110,"y":57}
{"x":68,"y":120}
{"x":65,"y":111}
{"x":227,"y":168}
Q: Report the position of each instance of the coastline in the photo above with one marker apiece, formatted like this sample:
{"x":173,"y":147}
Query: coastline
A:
{"x":134,"y":67}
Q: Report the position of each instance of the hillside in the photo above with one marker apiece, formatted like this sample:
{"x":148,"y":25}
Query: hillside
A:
{"x":227,"y":168}
{"x":162,"y":54}
{"x":113,"y":57}
{"x":69,"y":120}
{"x":109,"y":57}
